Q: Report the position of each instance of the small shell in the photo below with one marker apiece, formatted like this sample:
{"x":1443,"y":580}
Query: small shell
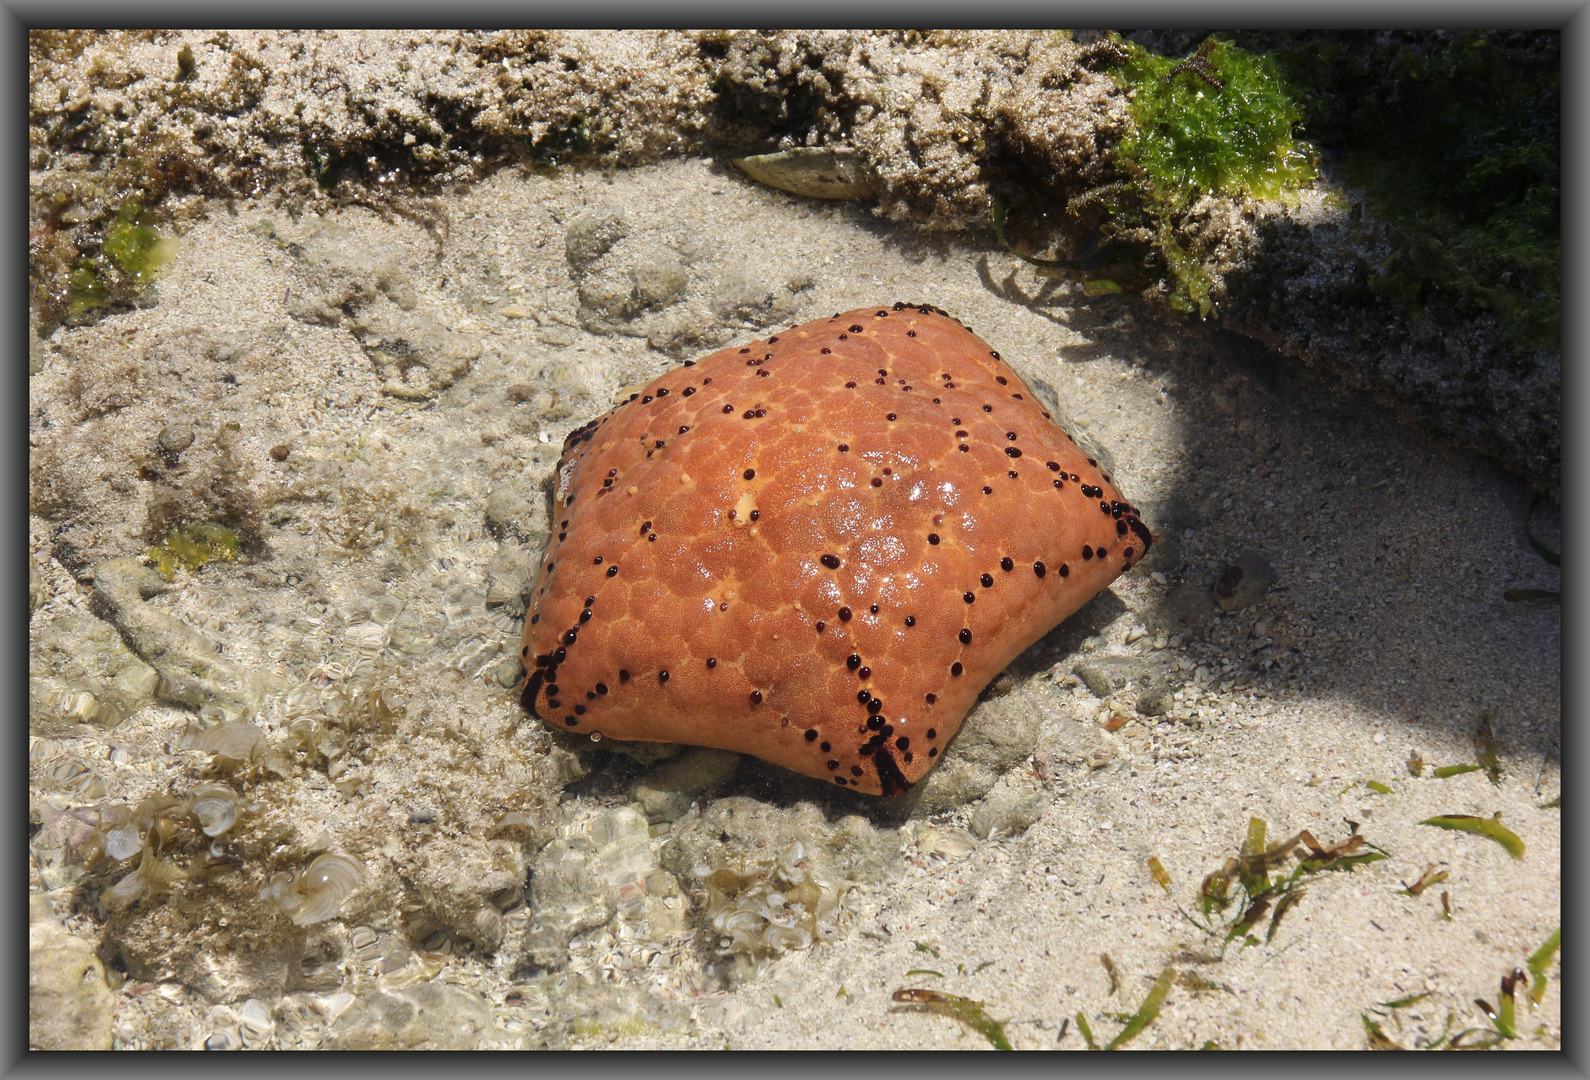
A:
{"x":41,"y":751}
{"x":235,"y":740}
{"x":124,"y":892}
{"x":302,"y":701}
{"x":227,"y":1038}
{"x":318,"y":893}
{"x":506,"y":600}
{"x":81,"y":705}
{"x":368,"y":639}
{"x":818,"y":172}
{"x":216,"y":806}
{"x":386,"y":609}
{"x":333,"y":1005}
{"x":153,"y":876}
{"x":780,"y":938}
{"x":366,"y":944}
{"x":948,"y":847}
{"x":254,"y":1022}
{"x":122,"y":835}
{"x":73,"y":777}
{"x":307,"y":730}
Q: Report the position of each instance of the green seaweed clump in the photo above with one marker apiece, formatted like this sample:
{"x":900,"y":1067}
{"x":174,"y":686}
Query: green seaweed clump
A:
{"x":193,"y":545}
{"x":135,"y":245}
{"x":566,"y":141}
{"x":1265,"y":895}
{"x":1134,"y":1024}
{"x":965,"y":1010}
{"x":1216,"y":123}
{"x":136,"y":252}
{"x":86,"y":291}
{"x":1219,"y":122}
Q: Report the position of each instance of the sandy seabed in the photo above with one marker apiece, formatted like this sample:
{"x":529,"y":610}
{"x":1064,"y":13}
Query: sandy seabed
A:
{"x":1385,"y":637}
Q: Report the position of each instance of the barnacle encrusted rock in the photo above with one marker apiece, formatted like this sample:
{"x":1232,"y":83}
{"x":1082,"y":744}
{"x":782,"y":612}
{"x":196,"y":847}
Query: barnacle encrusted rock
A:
{"x":816,"y":548}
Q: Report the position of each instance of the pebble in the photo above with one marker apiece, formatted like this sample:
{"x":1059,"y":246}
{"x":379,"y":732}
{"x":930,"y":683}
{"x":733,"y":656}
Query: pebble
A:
{"x":665,"y":793}
{"x":1155,"y":702}
{"x":174,"y":439}
{"x":1245,"y":582}
{"x":1007,"y":814}
{"x":1095,"y":679}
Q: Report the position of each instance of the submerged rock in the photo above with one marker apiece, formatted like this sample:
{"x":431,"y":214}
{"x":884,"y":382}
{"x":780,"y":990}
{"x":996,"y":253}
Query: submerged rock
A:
{"x":431,"y":1016}
{"x":1244,"y":582}
{"x":568,"y":893}
{"x":69,"y":1005}
{"x":80,"y":671}
{"x":191,"y":672}
{"x":664,"y":793}
{"x":1004,"y":813}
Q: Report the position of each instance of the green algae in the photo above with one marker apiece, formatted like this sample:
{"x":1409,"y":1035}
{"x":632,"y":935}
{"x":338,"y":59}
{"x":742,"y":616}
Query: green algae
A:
{"x":135,"y":252}
{"x":86,"y":289}
{"x":1264,"y":895}
{"x":1431,"y":876}
{"x":1145,"y":1015}
{"x":1481,"y":826}
{"x":1539,"y":961}
{"x":965,"y":1010}
{"x":194,"y":545}
{"x":135,"y":245}
{"x":1109,"y":969}
{"x":1218,"y":122}
{"x":1156,"y":870}
{"x":1485,"y":750}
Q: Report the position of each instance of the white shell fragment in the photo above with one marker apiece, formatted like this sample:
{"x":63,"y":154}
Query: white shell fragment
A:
{"x":787,"y":908}
{"x":122,"y":835}
{"x":215,"y":805}
{"x":226,"y":1038}
{"x":254,"y":1022}
{"x":235,"y":740}
{"x":318,"y":893}
{"x":153,"y":877}
{"x":818,"y":172}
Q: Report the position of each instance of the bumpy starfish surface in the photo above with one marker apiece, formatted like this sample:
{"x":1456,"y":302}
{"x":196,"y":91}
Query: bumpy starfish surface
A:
{"x":816,"y":548}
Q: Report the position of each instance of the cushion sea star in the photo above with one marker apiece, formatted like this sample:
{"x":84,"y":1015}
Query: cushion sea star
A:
{"x":816,"y":548}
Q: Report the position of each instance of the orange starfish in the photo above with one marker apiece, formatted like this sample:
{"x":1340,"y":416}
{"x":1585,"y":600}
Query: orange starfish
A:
{"x":816,"y":548}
